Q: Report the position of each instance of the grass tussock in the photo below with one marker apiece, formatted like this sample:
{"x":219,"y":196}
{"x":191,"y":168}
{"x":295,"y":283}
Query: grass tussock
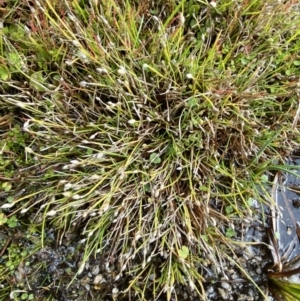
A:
{"x":149,"y":127}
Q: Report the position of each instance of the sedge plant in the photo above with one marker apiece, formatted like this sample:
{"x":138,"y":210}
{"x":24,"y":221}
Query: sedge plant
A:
{"x":150,"y":127}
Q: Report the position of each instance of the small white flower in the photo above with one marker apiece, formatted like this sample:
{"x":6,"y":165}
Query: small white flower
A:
{"x":131,"y":121}
{"x":145,"y":66}
{"x":122,"y":71}
{"x":115,"y":291}
{"x":24,"y":210}
{"x":189,"y":76}
{"x":76,"y":197}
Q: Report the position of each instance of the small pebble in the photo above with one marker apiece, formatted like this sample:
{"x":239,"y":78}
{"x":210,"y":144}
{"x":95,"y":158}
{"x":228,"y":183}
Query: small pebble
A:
{"x":99,"y":279}
{"x":226,"y":286}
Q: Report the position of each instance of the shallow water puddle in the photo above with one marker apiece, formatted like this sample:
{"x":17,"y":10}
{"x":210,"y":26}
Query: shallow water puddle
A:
{"x":288,"y":201}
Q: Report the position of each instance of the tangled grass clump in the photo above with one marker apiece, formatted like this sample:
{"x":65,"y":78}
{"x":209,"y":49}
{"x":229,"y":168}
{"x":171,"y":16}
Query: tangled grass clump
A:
{"x":147,"y":126}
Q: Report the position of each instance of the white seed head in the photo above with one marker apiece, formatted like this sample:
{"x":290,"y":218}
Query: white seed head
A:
{"x":67,"y":194}
{"x":192,"y":285}
{"x":72,"y":17}
{"x":181,"y":18}
{"x":76,"y":43}
{"x":74,"y":161}
{"x":69,"y":63}
{"x":95,"y":177}
{"x":102,"y":70}
{"x":26,"y":125}
{"x":122,"y":71}
{"x":115,"y":291}
{"x":27,"y":30}
{"x":67,"y":166}
{"x":83,"y":84}
{"x":104,"y":20}
{"x":68,"y":186}
{"x":145,"y":66}
{"x":7,"y":205}
{"x":156,"y":18}
{"x":213,"y":3}
{"x":131,"y":121}
{"x":93,"y":136}
{"x":28,"y":150}
{"x":99,"y":155}
{"x":82,"y":55}
{"x":51,"y":213}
